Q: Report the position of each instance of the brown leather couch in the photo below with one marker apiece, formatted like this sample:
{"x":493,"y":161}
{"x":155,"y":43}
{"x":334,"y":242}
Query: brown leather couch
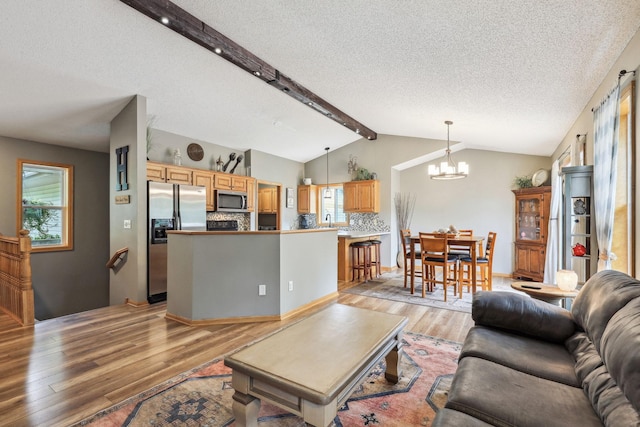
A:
{"x":530,"y":363}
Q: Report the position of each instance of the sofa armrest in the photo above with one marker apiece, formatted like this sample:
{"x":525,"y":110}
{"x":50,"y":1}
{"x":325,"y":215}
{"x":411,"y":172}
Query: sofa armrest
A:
{"x":521,"y":314}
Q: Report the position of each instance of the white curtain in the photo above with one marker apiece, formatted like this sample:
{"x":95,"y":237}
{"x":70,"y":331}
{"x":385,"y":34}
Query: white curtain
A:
{"x":554,"y":250}
{"x":605,"y":123}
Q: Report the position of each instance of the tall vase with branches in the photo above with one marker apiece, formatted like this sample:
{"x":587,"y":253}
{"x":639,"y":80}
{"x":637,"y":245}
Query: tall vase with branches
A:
{"x":404,"y":204}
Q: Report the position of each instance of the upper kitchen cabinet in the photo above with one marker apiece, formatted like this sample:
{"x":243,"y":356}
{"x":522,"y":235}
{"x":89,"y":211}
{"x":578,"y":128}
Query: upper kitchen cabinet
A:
{"x":268,"y":200}
{"x":362,"y":196}
{"x":307,"y":199}
{"x":251,"y":194}
{"x":204,"y":179}
{"x":167,"y":173}
{"x":230,"y":182}
{"x":156,"y":172}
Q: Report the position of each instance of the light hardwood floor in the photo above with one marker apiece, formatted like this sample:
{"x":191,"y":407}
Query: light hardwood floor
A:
{"x":63,"y":370}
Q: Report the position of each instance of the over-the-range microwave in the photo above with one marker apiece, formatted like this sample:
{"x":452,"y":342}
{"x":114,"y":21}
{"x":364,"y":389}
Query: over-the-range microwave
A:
{"x":230,"y":201}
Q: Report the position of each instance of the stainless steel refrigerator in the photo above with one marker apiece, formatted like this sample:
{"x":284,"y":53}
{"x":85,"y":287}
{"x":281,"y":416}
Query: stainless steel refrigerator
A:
{"x":170,"y":207}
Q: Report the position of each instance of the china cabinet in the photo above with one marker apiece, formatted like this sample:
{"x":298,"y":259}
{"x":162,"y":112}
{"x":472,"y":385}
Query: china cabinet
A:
{"x":532,"y":219}
{"x":579,"y":238}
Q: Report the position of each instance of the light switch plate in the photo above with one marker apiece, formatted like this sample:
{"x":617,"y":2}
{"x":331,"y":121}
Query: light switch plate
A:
{"x":262,"y":290}
{"x":127,"y":223}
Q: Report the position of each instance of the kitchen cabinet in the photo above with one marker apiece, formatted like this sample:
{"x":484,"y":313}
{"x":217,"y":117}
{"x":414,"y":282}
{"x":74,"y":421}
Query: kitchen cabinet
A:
{"x":179,"y":175}
{"x":268,"y":200}
{"x":223,"y":181}
{"x":307,"y":196}
{"x":579,"y":236}
{"x":159,"y":172}
{"x":532,"y":219}
{"x":251,"y":194}
{"x":362,"y":196}
{"x":204,"y":179}
{"x":156,"y":172}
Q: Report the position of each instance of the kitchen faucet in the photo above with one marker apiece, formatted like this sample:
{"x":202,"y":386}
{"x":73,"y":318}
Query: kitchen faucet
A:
{"x":328,"y":217}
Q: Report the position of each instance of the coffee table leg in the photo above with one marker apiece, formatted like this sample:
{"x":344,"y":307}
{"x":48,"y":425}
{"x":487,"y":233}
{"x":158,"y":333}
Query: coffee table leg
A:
{"x":245,"y":410}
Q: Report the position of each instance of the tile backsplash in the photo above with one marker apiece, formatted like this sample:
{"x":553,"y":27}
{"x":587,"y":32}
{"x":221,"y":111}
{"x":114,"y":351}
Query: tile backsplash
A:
{"x":357,"y":222}
{"x":244,"y":220}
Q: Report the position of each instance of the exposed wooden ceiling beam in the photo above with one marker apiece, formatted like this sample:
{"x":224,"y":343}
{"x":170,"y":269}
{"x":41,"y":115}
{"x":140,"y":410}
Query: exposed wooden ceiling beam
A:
{"x":182,"y":22}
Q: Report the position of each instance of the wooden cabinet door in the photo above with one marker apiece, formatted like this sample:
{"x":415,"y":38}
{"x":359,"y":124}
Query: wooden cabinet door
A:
{"x":351,"y":197}
{"x":368,"y":197}
{"x":238,"y":183}
{"x":307,"y":199}
{"x":529,"y":260}
{"x":156,"y":172}
{"x":205,"y":179}
{"x":222,"y":181}
{"x":179,"y":175}
{"x":251,"y":194}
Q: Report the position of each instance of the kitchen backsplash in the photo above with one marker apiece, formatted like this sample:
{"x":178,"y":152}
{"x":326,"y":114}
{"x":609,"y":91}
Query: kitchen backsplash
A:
{"x":244,"y":220}
{"x":357,"y":222}
{"x":367,"y":222}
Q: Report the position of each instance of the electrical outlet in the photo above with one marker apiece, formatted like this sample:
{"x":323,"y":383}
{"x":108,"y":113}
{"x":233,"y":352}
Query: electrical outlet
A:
{"x":262,"y":290}
{"x":127,"y":223}
{"x":290,"y":285}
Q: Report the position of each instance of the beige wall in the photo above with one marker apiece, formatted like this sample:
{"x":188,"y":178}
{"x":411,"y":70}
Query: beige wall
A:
{"x":483,"y":202}
{"x":628,"y":60}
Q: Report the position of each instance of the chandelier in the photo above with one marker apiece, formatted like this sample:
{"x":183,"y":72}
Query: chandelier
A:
{"x":447,"y":168}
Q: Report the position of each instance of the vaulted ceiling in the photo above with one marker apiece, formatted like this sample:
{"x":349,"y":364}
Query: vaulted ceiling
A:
{"x":512,"y":76}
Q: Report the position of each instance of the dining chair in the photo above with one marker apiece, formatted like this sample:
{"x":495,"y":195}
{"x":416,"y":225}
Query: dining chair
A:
{"x":483,"y":263}
{"x":405,"y":238}
{"x":461,"y":251}
{"x":435,"y":253}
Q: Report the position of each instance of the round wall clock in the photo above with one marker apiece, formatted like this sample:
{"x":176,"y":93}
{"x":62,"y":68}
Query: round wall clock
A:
{"x":195,"y":152}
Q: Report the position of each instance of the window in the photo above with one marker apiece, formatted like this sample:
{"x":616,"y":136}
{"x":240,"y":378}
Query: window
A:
{"x":623,"y":223}
{"x":45,"y":198}
{"x":333,"y":206}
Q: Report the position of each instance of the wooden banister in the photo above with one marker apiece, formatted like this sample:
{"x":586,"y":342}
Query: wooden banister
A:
{"x":118,"y":255}
{"x":16,"y":291}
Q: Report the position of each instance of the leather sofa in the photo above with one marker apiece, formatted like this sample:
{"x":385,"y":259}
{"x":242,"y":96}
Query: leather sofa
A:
{"x":530,"y":363}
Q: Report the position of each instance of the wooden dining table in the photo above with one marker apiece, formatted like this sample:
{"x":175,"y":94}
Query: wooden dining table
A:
{"x":471,"y":241}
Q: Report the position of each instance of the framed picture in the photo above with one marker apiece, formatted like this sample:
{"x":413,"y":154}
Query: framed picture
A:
{"x":290,"y":198}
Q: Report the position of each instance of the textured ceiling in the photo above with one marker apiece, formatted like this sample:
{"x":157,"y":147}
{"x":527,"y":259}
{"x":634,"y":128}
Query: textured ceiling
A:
{"x":512,"y":75}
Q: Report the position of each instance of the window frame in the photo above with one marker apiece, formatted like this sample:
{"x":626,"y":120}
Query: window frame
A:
{"x":66,"y":208}
{"x":320,"y":218}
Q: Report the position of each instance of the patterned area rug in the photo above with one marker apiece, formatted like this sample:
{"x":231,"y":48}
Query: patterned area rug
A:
{"x":202,"y":397}
{"x":391,"y":286}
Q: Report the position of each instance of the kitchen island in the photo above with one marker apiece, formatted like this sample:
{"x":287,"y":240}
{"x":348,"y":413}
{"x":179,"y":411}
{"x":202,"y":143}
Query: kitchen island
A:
{"x":345,"y":238}
{"x":248,"y":276}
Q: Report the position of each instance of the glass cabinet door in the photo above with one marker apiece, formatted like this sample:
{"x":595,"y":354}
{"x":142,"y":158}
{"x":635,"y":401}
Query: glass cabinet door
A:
{"x":529,"y":218}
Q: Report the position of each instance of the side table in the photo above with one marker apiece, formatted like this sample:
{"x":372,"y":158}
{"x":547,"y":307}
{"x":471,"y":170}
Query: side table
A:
{"x":545,"y":292}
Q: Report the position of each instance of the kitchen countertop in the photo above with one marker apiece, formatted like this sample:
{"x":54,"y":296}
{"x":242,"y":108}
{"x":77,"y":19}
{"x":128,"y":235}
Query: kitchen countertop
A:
{"x":359,"y":234}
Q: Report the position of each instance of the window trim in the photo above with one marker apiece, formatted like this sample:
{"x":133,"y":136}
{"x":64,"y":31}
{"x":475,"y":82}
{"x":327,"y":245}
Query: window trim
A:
{"x":67,"y":209}
{"x":319,"y":219}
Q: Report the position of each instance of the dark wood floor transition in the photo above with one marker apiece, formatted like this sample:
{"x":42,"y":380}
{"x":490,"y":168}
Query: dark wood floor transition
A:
{"x":66,"y":369}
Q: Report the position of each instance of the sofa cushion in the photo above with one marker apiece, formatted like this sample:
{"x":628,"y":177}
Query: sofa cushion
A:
{"x":614,"y":408}
{"x":522,"y":314}
{"x":529,"y":355}
{"x":503,"y":396}
{"x":620,"y":350}
{"x":600,"y":298}
{"x":450,"y":418}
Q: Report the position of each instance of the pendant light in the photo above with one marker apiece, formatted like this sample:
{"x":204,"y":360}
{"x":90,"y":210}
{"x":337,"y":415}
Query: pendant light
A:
{"x":327,"y":191}
{"x":447,"y":168}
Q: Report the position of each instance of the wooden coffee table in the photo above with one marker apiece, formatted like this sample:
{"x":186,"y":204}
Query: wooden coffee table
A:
{"x":545,"y":292}
{"x":312,"y":367}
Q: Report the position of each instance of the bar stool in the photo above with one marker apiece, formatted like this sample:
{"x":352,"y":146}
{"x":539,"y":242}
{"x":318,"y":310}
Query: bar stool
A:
{"x":375,"y":250}
{"x":360,"y":260}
